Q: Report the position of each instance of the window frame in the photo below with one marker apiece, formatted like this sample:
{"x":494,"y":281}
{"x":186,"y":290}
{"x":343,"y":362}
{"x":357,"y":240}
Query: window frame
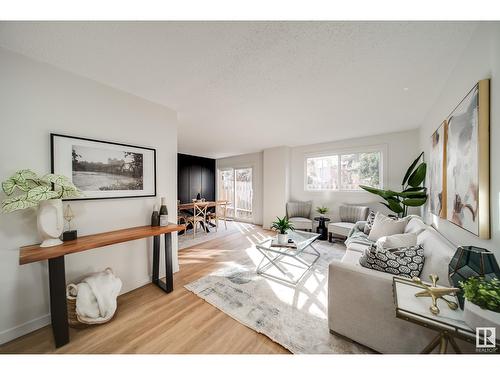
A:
{"x":382,"y":148}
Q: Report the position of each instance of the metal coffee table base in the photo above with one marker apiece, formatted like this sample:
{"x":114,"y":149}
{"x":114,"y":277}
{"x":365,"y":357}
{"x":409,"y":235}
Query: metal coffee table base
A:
{"x":277,"y":261}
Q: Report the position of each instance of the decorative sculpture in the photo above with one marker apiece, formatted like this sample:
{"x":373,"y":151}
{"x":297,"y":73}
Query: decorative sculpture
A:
{"x":436,"y":292}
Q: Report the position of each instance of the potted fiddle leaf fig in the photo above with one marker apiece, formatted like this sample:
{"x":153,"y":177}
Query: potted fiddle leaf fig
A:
{"x":26,"y":189}
{"x":282,"y":226}
{"x":322,"y":210}
{"x":482,"y":302}
{"x":412,"y":194}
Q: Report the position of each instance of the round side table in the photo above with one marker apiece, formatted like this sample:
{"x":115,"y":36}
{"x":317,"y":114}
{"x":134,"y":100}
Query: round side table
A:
{"x":322,"y":229}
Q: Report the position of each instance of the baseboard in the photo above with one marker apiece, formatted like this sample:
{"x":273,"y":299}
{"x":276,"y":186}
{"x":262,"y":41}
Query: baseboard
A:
{"x":37,"y":323}
{"x":23,"y":329}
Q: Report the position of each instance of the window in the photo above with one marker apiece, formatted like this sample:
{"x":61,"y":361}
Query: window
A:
{"x":344,"y":171}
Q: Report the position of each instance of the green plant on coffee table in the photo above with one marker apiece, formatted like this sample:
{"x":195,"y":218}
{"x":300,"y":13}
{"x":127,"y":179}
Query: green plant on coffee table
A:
{"x":322,"y":210}
{"x":282,"y":225}
{"x":32,"y":189}
{"x":483,"y":293}
{"x":412,"y":193}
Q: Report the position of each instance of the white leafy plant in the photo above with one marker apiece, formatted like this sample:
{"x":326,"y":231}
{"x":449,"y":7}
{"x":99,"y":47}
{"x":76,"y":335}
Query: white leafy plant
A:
{"x":33,"y":189}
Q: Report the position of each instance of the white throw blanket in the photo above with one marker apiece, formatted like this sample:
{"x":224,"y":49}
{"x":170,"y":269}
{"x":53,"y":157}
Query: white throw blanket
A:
{"x":96,"y":296}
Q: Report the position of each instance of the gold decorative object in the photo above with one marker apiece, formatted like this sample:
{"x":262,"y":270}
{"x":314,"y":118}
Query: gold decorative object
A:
{"x":436,"y":293}
{"x":68,"y":216}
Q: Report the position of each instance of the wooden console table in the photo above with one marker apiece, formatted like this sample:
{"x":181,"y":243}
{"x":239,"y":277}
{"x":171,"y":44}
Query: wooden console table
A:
{"x":57,"y":278}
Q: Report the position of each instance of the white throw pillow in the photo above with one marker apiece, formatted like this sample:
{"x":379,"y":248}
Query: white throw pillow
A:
{"x":386,"y":226}
{"x":397,"y":240}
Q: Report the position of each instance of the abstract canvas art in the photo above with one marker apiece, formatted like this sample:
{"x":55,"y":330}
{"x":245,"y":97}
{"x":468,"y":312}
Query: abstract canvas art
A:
{"x":467,"y":162}
{"x":437,"y":175}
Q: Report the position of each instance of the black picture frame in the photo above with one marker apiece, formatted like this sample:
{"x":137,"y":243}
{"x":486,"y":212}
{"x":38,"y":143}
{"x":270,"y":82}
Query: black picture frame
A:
{"x":53,"y":160}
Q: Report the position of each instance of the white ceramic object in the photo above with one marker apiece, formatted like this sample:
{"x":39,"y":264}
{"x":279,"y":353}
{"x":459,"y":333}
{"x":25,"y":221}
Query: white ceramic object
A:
{"x":50,"y":222}
{"x":282,"y":239}
{"x":474,"y":317}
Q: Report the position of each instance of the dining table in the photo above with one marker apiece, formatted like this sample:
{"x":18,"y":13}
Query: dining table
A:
{"x":189,"y":207}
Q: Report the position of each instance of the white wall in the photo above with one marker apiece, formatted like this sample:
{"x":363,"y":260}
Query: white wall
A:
{"x":276,"y":183}
{"x":399,"y":150}
{"x":480,"y":60}
{"x":253,"y":161}
{"x":36,"y":99}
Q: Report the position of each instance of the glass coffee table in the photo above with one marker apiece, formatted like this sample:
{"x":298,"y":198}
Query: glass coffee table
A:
{"x":288,"y":264}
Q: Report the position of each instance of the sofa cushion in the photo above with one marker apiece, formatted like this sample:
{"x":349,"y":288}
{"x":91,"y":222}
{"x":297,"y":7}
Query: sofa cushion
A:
{"x":342,"y":229}
{"x":397,"y":240}
{"x":359,"y":247}
{"x":415,"y":225}
{"x":352,"y":214}
{"x":403,"y":261}
{"x":438,"y":252}
{"x":351,"y":257}
{"x":386,"y":226}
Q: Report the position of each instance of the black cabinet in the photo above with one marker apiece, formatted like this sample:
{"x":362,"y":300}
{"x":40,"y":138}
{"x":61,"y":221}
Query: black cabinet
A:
{"x":195,"y":175}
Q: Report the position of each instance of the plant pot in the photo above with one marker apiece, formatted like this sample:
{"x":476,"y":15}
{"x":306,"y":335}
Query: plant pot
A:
{"x":475,"y":316}
{"x":50,"y":222}
{"x":282,"y":239}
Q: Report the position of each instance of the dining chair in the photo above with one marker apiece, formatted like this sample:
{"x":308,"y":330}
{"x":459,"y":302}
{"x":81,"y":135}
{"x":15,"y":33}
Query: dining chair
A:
{"x":219,"y":214}
{"x":199,"y":216}
{"x":181,"y":219}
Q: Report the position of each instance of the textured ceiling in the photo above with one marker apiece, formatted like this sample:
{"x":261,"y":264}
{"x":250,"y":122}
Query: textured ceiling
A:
{"x":244,"y":86}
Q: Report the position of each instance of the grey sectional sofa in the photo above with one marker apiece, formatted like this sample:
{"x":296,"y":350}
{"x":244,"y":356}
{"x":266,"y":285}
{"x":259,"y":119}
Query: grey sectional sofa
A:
{"x":360,"y":300}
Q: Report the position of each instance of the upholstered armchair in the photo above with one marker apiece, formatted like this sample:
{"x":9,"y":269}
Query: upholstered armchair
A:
{"x":299,"y":214}
{"x":349,"y":216}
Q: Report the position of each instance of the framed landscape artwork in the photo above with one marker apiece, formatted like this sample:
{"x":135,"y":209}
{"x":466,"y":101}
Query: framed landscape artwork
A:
{"x":437,"y":172}
{"x":467,"y":163}
{"x":104,"y":169}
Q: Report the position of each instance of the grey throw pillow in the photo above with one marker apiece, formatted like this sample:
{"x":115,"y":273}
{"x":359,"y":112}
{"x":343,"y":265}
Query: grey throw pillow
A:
{"x":403,"y":261}
{"x":369,"y":222}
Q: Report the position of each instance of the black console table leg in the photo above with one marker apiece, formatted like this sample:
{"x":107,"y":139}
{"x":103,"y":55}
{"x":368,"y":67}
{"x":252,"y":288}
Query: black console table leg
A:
{"x":168,"y":285}
{"x":58,"y":309}
{"x":169,"y":275}
{"x":156,"y":259}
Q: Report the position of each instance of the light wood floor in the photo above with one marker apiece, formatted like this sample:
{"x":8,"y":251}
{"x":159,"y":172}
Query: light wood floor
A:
{"x":151,"y":321}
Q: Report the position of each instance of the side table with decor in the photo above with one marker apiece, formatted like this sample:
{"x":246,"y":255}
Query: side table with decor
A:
{"x":447,"y":322}
{"x":322,"y":229}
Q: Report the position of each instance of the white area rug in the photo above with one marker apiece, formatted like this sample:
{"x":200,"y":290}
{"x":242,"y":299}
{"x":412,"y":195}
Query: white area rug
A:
{"x":293,"y":316}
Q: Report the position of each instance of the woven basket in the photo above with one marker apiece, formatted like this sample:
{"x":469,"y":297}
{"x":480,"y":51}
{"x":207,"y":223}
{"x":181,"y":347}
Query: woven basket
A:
{"x":74,"y":320}
{"x":71,"y":303}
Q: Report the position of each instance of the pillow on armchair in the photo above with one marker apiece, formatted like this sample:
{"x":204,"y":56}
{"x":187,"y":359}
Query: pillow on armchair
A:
{"x":352,"y":214}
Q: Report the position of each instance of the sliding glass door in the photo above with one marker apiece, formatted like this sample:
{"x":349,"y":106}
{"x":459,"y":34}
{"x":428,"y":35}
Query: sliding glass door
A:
{"x":235,"y":186}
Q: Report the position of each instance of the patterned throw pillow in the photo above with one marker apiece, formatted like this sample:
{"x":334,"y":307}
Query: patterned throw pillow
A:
{"x":403,"y":261}
{"x":369,"y":222}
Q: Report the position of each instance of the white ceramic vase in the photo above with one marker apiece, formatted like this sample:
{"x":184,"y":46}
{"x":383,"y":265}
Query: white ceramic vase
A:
{"x":282,"y":239}
{"x":474,"y":316}
{"x":50,"y":222}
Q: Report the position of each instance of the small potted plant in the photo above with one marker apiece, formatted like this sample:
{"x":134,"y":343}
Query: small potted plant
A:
{"x":482,"y":302}
{"x":322,"y":211}
{"x":46,"y":193}
{"x":282,"y":226}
